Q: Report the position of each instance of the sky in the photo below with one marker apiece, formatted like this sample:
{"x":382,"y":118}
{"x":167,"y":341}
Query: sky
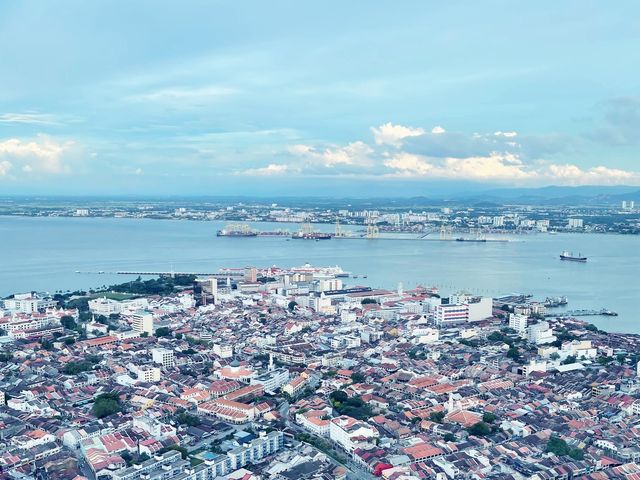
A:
{"x":322,"y":98}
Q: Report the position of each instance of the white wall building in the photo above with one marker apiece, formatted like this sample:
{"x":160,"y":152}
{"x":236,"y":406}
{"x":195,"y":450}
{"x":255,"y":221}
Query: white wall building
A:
{"x":163,"y":356}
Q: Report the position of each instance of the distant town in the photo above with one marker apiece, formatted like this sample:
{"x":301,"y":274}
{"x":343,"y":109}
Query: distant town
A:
{"x":292,"y":373}
{"x":368,"y":217}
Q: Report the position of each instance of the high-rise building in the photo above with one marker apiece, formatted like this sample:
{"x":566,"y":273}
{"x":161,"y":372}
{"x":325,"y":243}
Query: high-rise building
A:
{"x":205,"y":291}
{"x":142,"y":322}
{"x":575,"y":223}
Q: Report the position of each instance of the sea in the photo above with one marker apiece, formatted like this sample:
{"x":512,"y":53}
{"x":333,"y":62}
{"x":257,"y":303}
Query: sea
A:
{"x":50,"y":254}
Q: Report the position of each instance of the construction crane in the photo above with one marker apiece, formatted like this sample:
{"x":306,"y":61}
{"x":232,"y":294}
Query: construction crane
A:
{"x":372,"y":230}
{"x":445,"y":232}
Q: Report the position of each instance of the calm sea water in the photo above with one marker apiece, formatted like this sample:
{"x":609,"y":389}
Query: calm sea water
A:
{"x":44,"y":253}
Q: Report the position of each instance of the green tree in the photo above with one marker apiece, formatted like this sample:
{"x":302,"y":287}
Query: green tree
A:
{"x":357,"y":378}
{"x":489,"y":417}
{"x":514,"y":354}
{"x":187,"y":419}
{"x":106,"y":404}
{"x":68,"y":322}
{"x":449,"y":437}
{"x":292,"y":305}
{"x":436,"y":417}
{"x":479,"y":429}
{"x":163,"y":332}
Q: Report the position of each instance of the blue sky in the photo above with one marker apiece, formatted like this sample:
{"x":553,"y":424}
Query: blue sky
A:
{"x":333,"y":97}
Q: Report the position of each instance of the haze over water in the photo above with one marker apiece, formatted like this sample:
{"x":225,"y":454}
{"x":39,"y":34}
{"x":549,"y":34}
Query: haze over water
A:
{"x":43,"y":254}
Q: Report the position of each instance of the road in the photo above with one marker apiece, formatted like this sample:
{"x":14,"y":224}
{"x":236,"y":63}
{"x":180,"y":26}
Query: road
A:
{"x":355,"y":472}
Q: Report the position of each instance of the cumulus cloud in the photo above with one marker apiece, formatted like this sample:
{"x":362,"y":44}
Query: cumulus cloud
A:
{"x":389,"y":134}
{"x":494,"y":167}
{"x":355,"y":153}
{"x":574,"y":175}
{"x":269,"y":170}
{"x":40,"y":155}
{"x":398,"y":151}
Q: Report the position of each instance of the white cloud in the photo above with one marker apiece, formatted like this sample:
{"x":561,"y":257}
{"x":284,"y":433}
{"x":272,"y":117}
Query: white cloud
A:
{"x":437,"y":129}
{"x":41,"y":155}
{"x":28,"y":118}
{"x":184,"y":94}
{"x":389,"y":134}
{"x":269,"y":170}
{"x":355,"y":153}
{"x":494,"y":167}
{"x":5,"y":166}
{"x":600,"y":175}
{"x":506,"y":134}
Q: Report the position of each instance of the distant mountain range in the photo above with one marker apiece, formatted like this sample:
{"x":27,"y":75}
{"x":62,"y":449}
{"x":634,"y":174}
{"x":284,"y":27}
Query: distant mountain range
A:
{"x":555,"y":195}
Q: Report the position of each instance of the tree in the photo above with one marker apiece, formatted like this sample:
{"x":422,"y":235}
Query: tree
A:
{"x":163,"y":332}
{"x":554,"y":356}
{"x":46,"y":344}
{"x":339,"y":396}
{"x":75,"y":368}
{"x":106,"y":404}
{"x":357,"y":378}
{"x":187,"y":419}
{"x":449,"y":437}
{"x":621,"y":357}
{"x":5,"y":356}
{"x":569,"y":359}
{"x":489,"y":417}
{"x":292,"y":305}
{"x":436,"y":417}
{"x":368,"y":301}
{"x":559,"y":447}
{"x":68,"y":322}
{"x":479,"y":429}
{"x":514,"y":354}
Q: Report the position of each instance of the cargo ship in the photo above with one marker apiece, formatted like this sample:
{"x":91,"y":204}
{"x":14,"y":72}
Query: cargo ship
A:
{"x":478,"y":240}
{"x":237,"y":230}
{"x":235,"y":233}
{"x":311,"y":236}
{"x":570,"y":257}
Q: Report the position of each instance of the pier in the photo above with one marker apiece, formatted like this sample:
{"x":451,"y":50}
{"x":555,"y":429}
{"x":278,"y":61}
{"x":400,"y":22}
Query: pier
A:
{"x":583,"y":313}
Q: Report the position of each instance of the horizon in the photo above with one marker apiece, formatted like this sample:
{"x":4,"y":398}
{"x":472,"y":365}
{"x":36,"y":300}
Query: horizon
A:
{"x":293,"y":99}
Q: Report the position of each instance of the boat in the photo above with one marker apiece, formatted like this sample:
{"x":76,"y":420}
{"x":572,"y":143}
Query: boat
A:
{"x":311,"y":236}
{"x":570,"y":257}
{"x":235,"y":233}
{"x":477,"y":240}
{"x":553,"y":302}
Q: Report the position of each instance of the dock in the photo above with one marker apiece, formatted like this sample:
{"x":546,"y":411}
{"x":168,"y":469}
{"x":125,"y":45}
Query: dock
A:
{"x":583,"y":313}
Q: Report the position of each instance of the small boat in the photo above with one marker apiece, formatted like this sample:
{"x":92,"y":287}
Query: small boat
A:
{"x":570,"y":257}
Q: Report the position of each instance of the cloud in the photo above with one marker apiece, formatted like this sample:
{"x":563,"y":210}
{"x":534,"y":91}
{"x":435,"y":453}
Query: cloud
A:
{"x":28,"y":118}
{"x":389,"y":134}
{"x":184,"y":94}
{"x":410,"y":152}
{"x":494,"y":167}
{"x":618,"y":123}
{"x":355,"y":153}
{"x":40,"y":155}
{"x":574,"y":175}
{"x":269,"y":170}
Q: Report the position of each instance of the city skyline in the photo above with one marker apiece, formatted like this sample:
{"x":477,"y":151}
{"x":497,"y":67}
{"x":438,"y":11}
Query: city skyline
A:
{"x":261,"y":99}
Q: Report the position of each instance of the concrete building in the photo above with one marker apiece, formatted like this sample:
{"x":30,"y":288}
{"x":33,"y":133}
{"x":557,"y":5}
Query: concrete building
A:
{"x":142,"y":322}
{"x":519,"y":323}
{"x":540,"y":333}
{"x":163,"y":356}
{"x":350,"y":433}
